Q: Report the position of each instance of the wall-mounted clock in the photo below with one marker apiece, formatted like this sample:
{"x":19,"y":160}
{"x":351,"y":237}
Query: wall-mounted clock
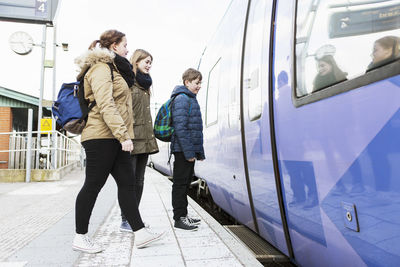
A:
{"x":21,"y":43}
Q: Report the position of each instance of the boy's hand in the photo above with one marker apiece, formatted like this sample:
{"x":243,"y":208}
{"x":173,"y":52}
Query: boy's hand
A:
{"x":191,"y":160}
{"x":127,"y":145}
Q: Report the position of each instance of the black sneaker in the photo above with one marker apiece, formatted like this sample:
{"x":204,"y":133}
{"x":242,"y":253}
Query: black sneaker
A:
{"x":193,"y":221}
{"x":184,"y":224}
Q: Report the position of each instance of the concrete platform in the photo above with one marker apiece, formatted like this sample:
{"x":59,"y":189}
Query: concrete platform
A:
{"x":50,"y":236}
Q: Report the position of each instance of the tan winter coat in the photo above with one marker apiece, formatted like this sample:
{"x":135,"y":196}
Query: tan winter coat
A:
{"x":144,"y":140}
{"x":111,"y":117}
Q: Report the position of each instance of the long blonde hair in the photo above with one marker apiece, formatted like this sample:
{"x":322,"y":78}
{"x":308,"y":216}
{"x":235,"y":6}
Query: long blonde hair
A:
{"x":137,"y":56}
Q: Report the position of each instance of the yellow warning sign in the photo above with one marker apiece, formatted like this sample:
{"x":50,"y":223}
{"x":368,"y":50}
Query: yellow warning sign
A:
{"x":45,"y":125}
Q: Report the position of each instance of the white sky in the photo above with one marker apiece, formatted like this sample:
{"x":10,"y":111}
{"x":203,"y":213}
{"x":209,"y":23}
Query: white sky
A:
{"x":175,"y":32}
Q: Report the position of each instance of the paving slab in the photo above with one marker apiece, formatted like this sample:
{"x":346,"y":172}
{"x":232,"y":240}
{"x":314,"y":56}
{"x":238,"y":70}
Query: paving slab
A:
{"x":37,"y":227}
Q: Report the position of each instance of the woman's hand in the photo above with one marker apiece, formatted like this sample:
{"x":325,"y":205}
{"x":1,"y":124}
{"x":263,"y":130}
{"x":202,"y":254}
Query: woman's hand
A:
{"x":127,"y":145}
{"x":191,"y":160}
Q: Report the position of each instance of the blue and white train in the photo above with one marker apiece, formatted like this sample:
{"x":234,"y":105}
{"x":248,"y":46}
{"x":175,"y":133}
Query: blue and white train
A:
{"x":314,"y":171}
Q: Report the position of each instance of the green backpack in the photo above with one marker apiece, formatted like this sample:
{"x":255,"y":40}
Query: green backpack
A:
{"x":163,"y":129}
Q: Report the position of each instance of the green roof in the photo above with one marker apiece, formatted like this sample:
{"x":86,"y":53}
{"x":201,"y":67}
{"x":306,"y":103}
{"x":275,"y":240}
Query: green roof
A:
{"x":11,"y":98}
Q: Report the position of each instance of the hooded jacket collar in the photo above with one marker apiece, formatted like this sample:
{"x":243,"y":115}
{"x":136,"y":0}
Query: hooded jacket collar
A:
{"x":93,"y":56}
{"x":182,"y":89}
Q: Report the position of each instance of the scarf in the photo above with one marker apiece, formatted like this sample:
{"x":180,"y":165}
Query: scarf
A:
{"x":144,"y":80}
{"x":125,"y":69}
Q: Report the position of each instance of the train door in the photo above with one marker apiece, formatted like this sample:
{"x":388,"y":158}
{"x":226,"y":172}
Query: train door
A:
{"x":256,"y":131}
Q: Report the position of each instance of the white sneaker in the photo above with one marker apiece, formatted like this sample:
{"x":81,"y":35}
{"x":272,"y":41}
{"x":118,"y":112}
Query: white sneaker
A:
{"x":145,"y":236}
{"x":85,"y":244}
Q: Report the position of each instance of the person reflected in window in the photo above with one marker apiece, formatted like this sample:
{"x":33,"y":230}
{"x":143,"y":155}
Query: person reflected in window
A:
{"x":328,"y":73}
{"x":385,"y":50}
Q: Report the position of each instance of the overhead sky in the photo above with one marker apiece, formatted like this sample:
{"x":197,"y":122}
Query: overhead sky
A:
{"x":175,"y":32}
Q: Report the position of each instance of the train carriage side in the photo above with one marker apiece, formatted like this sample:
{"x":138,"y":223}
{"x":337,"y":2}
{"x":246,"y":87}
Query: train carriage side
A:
{"x":300,"y":127}
{"x":338,"y":136}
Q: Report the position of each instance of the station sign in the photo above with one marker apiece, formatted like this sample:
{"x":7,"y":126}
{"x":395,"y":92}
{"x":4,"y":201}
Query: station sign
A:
{"x":29,"y":11}
{"x":350,"y":23}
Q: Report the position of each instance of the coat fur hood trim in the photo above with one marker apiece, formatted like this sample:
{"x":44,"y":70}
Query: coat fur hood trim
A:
{"x":93,"y":56}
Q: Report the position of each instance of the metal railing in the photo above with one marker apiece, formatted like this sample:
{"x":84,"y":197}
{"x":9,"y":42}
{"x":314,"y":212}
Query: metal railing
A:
{"x":55,"y":151}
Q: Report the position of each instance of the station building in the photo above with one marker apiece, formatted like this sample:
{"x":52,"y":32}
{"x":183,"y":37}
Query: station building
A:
{"x":14,"y":117}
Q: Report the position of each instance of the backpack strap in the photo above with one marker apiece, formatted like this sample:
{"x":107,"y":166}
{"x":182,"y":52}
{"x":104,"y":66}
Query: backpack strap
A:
{"x":173,"y":98}
{"x":92,"y":104}
{"x":112,"y":70}
{"x":190,"y":109}
{"x":190,"y":106}
{"x":190,"y":103}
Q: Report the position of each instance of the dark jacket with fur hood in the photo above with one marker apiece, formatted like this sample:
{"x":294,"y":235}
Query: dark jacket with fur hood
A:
{"x":111,"y":117}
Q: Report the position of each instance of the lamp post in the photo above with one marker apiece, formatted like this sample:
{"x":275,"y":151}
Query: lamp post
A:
{"x":53,"y":97}
{"x":22,"y":44}
{"x":43,"y":45}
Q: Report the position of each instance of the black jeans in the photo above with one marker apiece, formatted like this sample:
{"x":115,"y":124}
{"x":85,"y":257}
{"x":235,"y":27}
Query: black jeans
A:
{"x":182,"y":177}
{"x":104,"y":157}
{"x":139,"y":162}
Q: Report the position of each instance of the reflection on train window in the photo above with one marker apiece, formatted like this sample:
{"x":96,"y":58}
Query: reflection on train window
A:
{"x":212,"y":95}
{"x":257,"y":31}
{"x":338,"y":40}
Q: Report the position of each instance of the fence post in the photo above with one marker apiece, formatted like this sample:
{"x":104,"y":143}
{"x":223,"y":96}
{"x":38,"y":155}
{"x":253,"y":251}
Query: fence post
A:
{"x":29,"y":147}
{"x":48,"y":152}
{"x":55,"y":145}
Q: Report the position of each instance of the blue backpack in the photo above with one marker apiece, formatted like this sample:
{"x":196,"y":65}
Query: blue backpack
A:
{"x":71,"y":109}
{"x":163,"y":129}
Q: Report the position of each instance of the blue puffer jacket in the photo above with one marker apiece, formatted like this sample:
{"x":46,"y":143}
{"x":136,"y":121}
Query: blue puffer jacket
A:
{"x":188,"y":134}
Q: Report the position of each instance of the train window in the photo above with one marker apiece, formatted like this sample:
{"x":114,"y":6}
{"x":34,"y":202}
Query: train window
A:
{"x":212,"y":95}
{"x":255,"y":98}
{"x":340,"y":40}
{"x":257,"y":30}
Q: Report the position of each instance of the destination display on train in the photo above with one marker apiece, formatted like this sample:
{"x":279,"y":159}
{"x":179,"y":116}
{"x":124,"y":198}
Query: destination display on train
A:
{"x":364,"y":21}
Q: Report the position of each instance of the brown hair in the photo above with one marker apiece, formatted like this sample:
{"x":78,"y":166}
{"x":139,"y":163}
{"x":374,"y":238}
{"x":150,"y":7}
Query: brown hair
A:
{"x":390,"y":42}
{"x":107,"y":38}
{"x":334,"y":76}
{"x":137,"y":56}
{"x":190,"y":75}
{"x":338,"y":73}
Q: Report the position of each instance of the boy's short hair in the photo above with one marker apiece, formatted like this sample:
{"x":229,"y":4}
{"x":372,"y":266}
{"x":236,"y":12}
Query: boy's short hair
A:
{"x":190,"y":75}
